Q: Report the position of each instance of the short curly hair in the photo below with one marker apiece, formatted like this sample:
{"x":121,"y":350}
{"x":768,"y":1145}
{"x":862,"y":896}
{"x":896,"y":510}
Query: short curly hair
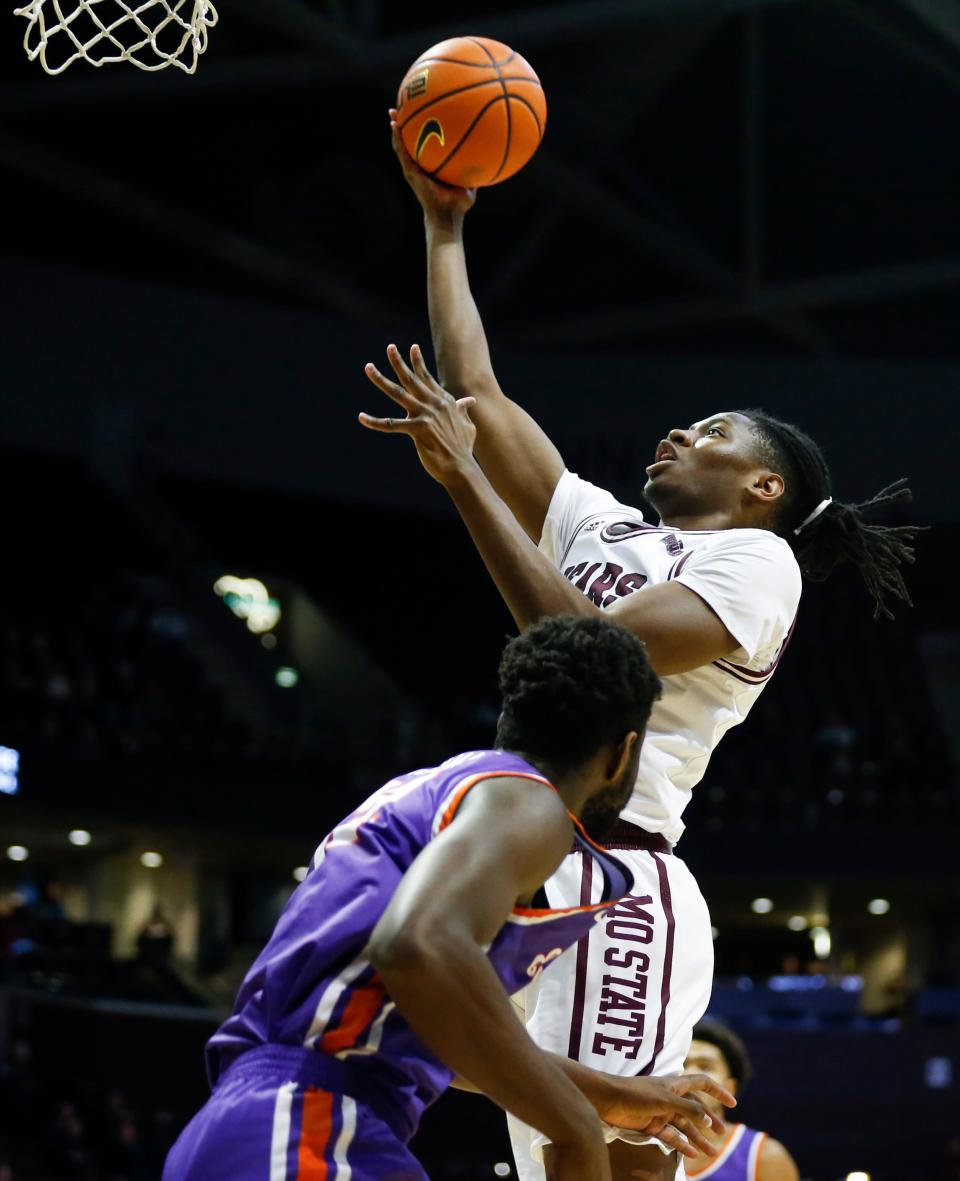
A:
{"x":715,"y":1033}
{"x":571,"y":684}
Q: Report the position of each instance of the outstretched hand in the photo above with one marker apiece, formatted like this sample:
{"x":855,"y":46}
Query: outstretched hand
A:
{"x":438,"y":200}
{"x":438,"y":423}
{"x":667,"y":1109}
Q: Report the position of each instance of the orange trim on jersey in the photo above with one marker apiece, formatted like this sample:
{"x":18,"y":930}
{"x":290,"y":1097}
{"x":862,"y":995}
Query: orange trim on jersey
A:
{"x":564,"y":909}
{"x":719,"y":1159}
{"x":462,"y":790}
{"x":316,"y":1130}
{"x":360,"y":1011}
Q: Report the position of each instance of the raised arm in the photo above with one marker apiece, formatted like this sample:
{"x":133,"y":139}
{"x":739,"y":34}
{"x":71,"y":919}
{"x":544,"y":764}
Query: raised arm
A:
{"x":520,"y":461}
{"x":680,"y":630}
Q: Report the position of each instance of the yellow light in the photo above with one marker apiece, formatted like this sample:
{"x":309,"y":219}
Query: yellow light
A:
{"x":858,"y":1177}
{"x":151,"y":860}
{"x":821,"y":942}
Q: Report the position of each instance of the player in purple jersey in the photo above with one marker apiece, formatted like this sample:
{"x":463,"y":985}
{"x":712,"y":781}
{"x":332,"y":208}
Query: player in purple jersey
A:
{"x":712,"y":589}
{"x":745,"y":1154}
{"x":389,"y":970}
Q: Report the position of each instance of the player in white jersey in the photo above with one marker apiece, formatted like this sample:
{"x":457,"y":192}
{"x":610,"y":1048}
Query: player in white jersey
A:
{"x":712,"y":590}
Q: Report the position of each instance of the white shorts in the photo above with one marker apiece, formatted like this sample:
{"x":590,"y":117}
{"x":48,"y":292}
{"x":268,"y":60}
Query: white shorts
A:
{"x":625,"y":999}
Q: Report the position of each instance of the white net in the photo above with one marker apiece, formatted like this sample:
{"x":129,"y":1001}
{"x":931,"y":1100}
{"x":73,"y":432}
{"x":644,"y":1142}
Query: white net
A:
{"x":149,"y":34}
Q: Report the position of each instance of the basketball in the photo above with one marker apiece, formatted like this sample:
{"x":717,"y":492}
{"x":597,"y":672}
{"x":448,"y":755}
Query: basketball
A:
{"x":471,"y":111}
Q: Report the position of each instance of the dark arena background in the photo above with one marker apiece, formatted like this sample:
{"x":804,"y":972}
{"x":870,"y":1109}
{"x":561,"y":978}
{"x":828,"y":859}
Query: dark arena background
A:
{"x":736,"y":203}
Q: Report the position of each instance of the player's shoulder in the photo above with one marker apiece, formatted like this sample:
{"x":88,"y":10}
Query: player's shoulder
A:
{"x":586,"y":496}
{"x":749,"y":546}
{"x":497,"y":781}
{"x":774,"y":1162}
{"x":758,"y":540}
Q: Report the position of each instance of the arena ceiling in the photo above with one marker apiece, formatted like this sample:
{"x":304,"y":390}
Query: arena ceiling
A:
{"x":718,"y":176}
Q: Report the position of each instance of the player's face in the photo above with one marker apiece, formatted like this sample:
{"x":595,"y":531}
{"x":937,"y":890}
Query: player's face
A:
{"x":703,"y":467}
{"x":706,"y":1058}
{"x":602,"y":811}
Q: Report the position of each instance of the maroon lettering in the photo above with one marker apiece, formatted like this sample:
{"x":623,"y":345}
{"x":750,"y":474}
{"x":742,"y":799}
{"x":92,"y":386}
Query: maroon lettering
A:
{"x":630,"y":1048}
{"x":613,"y":957}
{"x":603,"y":582}
{"x":581,"y":583}
{"x":632,"y":907}
{"x":637,"y":986}
{"x":632,"y":932}
{"x":572,"y":572}
{"x":611,"y":999}
{"x":609,"y":981}
{"x":630,"y":583}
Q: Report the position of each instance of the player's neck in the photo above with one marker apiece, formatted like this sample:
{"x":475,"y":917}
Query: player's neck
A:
{"x":692,"y":522}
{"x":573,"y":787}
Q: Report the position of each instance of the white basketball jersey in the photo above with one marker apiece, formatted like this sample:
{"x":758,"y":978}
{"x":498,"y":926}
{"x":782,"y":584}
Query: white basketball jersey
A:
{"x":749,"y":577}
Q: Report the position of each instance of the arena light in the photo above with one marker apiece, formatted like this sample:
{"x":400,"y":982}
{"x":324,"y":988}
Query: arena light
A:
{"x":761,"y":905}
{"x":250,"y":601}
{"x":796,"y":922}
{"x":878,"y":906}
{"x":858,"y":1177}
{"x":9,"y":770}
{"x":79,"y":836}
{"x":18,"y":852}
{"x":822,"y":943}
{"x":501,"y":1169}
{"x":286,"y":677}
{"x":151,"y":860}
{"x":300,"y":873}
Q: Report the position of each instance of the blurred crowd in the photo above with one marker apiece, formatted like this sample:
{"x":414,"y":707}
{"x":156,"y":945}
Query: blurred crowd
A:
{"x":80,"y":1130}
{"x":97,"y":670}
{"x":104,"y":673}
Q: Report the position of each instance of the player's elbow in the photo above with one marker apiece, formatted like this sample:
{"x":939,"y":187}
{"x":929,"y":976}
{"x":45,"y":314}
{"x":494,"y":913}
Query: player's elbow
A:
{"x":464,"y":378}
{"x":407,"y":949}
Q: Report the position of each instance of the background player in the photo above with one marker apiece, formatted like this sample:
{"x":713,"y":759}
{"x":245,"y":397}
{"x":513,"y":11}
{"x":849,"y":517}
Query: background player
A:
{"x":745,"y":1154}
{"x":389,"y":969}
{"x":745,"y":507}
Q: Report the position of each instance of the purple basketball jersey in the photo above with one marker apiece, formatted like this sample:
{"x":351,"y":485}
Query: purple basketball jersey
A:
{"x":738,"y":1158}
{"x":311,"y":987}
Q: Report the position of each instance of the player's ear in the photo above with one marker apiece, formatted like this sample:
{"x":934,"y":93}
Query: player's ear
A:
{"x":622,"y":754}
{"x":766,"y":486}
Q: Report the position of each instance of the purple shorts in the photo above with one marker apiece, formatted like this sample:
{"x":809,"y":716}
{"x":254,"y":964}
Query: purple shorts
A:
{"x":276,"y":1115}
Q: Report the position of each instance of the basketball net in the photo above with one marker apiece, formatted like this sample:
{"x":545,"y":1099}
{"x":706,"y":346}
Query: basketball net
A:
{"x":149,"y":34}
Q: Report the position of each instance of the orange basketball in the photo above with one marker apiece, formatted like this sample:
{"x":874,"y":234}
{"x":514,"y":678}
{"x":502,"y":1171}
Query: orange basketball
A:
{"x":471,"y":111}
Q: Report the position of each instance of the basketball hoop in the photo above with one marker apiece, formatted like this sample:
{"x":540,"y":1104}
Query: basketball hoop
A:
{"x":149,"y":34}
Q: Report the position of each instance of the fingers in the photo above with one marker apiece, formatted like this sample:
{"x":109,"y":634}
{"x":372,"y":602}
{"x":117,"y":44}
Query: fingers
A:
{"x":387,"y":426}
{"x":696,"y":1134}
{"x":693,"y":1111}
{"x":419,"y":366}
{"x":703,"y":1082}
{"x":398,"y":393}
{"x":675,"y":1140}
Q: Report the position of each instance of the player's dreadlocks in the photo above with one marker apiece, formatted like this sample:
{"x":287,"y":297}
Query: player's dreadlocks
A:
{"x":569,"y":685}
{"x":823,"y":536}
{"x":730,"y":1046}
